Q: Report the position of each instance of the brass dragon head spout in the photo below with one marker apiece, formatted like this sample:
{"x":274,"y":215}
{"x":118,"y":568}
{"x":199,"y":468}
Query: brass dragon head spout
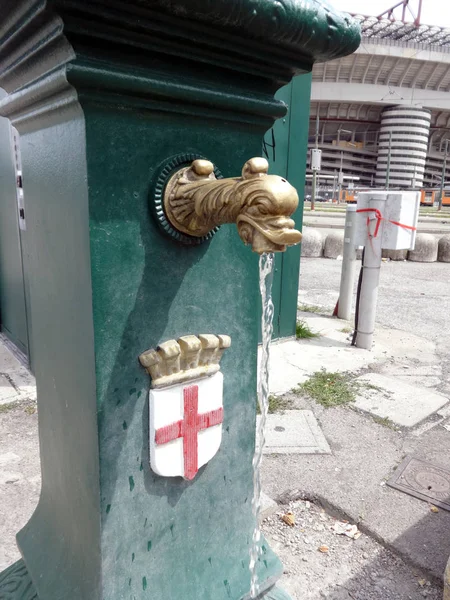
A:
{"x":266,"y":203}
{"x":260,"y":204}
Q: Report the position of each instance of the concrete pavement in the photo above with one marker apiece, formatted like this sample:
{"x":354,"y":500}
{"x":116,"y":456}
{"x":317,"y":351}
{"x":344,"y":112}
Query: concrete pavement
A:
{"x":411,"y":347}
{"x":407,"y":370}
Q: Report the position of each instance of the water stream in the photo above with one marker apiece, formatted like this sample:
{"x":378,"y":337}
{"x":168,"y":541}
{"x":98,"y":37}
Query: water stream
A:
{"x":266,"y":270}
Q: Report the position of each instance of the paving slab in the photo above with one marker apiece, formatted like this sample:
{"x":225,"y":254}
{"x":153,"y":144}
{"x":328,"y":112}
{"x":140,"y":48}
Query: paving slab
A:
{"x":294,"y":361}
{"x":294,"y":432}
{"x":403,"y":404}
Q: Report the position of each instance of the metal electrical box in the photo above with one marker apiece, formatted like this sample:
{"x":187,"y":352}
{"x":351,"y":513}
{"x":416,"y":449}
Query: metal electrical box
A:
{"x":397,"y":214}
{"x":316,"y":159}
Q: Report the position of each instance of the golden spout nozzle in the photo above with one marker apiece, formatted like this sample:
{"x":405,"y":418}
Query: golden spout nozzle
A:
{"x":195,"y":202}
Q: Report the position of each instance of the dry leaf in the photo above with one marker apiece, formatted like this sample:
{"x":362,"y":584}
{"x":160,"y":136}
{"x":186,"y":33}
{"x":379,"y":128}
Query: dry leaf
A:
{"x":289,"y":518}
{"x":434,"y":509}
{"x":422,"y":582}
{"x":324,"y":549}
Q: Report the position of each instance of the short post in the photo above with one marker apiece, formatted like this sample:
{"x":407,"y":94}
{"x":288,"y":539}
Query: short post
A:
{"x":316,"y":156}
{"x":340,"y":179}
{"x":385,"y":220}
{"x":348,"y":265}
{"x":370,"y":276}
{"x":313,"y":190}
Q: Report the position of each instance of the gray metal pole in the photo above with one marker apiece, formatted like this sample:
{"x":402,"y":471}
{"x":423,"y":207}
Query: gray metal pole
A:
{"x":340,"y":179}
{"x":314,"y":179}
{"x":348,"y":265}
{"x":370,"y":280}
{"x":313,"y":190}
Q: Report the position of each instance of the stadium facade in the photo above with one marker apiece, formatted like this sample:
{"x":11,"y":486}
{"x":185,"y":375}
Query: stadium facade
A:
{"x":391,"y":97}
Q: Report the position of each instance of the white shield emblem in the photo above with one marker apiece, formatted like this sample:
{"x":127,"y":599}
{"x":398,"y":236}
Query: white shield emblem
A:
{"x":185,"y":426}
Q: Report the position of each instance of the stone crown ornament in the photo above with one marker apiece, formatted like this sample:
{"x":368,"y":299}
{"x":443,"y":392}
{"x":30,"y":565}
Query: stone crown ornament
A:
{"x":189,"y":357}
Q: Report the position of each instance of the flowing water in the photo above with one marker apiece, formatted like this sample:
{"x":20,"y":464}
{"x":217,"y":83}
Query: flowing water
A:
{"x":266,"y":268}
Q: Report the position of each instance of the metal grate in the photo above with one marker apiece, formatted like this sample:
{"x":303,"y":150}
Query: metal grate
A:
{"x":423,"y":480}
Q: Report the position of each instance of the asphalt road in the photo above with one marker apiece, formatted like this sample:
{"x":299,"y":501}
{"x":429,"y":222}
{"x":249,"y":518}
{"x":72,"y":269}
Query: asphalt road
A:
{"x":413,"y":297}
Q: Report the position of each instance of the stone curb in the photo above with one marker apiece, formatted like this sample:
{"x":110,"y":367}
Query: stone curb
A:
{"x":428,"y":247}
{"x":340,"y":513}
{"x":268,"y":507}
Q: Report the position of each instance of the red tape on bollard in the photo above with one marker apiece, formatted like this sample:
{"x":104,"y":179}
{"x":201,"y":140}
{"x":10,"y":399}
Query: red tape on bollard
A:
{"x":379,"y":217}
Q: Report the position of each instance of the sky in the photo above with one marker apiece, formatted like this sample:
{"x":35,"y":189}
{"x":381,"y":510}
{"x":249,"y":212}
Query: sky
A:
{"x":434,"y":12}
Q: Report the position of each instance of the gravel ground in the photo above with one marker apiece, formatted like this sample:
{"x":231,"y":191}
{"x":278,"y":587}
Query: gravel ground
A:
{"x":20,"y":480}
{"x":345,"y":569}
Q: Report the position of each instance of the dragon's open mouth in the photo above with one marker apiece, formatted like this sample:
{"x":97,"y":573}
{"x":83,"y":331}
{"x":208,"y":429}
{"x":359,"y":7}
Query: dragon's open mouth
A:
{"x":271,"y":235}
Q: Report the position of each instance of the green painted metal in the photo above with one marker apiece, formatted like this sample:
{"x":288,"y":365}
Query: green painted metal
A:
{"x":285,"y":146}
{"x":298,"y":145}
{"x":13,"y":317}
{"x":312,"y":29}
{"x":100,"y":104}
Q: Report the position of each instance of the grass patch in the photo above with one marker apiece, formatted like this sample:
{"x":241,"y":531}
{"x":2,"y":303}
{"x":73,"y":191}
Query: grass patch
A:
{"x":303,"y":331}
{"x":31,"y":409}
{"x":346,"y":330}
{"x":385,"y":422}
{"x":276,"y":404}
{"x":311,"y":308}
{"x":329,"y":389}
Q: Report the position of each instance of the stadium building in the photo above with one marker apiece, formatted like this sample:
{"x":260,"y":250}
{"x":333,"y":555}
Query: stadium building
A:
{"x":387,"y":104}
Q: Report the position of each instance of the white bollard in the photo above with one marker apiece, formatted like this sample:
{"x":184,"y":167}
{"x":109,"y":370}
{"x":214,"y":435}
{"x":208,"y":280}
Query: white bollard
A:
{"x":384,"y":220}
{"x":370,"y":278}
{"x":348,"y":265}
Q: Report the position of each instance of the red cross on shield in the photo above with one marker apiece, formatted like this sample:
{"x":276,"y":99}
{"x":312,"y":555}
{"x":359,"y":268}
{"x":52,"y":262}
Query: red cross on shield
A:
{"x":185,"y":426}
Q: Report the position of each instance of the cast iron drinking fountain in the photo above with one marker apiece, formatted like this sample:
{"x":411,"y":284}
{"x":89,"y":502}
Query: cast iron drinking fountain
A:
{"x":132,"y":117}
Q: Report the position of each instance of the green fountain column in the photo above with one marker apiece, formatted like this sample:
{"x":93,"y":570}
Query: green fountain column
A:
{"x":102,"y":93}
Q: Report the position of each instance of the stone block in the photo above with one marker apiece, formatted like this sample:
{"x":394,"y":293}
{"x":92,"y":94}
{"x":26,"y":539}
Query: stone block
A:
{"x":426,"y":249}
{"x":444,"y":248}
{"x":312,"y":242}
{"x":334,"y":244}
{"x":268,"y":507}
{"x":294,"y":432}
{"x":395,"y":254}
{"x":404,"y":404}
